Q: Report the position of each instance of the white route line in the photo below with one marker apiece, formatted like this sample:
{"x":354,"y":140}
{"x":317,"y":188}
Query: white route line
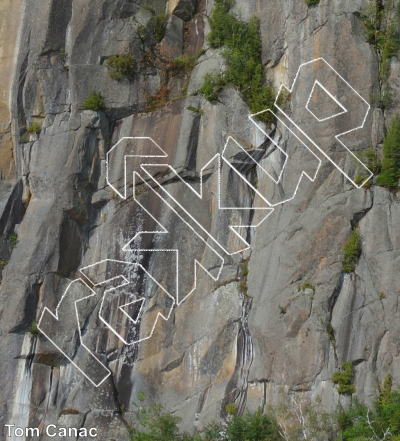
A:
{"x":79,"y":330}
{"x":125,"y":248}
{"x":135,"y":301}
{"x":336,"y":136}
{"x":303,"y":173}
{"x":336,"y":101}
{"x":200,"y":195}
{"x":163,"y":155}
{"x":217,"y":157}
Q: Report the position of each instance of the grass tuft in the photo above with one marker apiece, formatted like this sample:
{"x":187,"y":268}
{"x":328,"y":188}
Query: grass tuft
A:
{"x":34,"y":329}
{"x":34,"y":128}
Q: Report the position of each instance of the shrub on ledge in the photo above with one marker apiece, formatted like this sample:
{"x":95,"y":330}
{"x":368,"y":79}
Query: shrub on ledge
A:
{"x":120,"y":66}
{"x":94,"y":101}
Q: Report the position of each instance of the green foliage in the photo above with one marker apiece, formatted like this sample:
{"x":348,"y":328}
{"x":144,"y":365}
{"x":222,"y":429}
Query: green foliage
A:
{"x":358,"y":179}
{"x":243,"y":288}
{"x":186,"y":62}
{"x":382,"y":295}
{"x":255,"y":427}
{"x":13,"y":240}
{"x":34,"y":329}
{"x":385,"y":391}
{"x":212,"y":432}
{"x":290,"y":420}
{"x":142,"y":32}
{"x":157,"y":25}
{"x":297,"y":420}
{"x":312,"y":2}
{"x":242,"y":51}
{"x":211,"y":86}
{"x":196,"y":110}
{"x":370,"y":159}
{"x":149,"y":8}
{"x":231,"y":409}
{"x":245,"y":270}
{"x":159,"y":100}
{"x":344,"y":379}
{"x":390,"y":174}
{"x":34,"y":128}
{"x":331,"y":334}
{"x":120,"y":66}
{"x":381,"y":31}
{"x":156,"y":424}
{"x":359,"y":422}
{"x":94,"y":101}
{"x":3,"y":263}
{"x":63,"y":54}
{"x":306,"y":285}
{"x":141,"y":396}
{"x":382,"y":99}
{"x":352,"y":251}
{"x":373,"y":163}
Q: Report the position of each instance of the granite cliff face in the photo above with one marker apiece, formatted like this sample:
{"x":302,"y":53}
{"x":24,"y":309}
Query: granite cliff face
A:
{"x":224,"y":344}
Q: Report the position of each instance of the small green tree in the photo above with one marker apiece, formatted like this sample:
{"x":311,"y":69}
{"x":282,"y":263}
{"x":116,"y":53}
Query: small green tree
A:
{"x":352,"y":251}
{"x":331,"y":334}
{"x":312,"y":2}
{"x":390,"y":173}
{"x":120,"y":66}
{"x":344,"y":379}
{"x":156,"y":424}
{"x":94,"y":101}
{"x":255,"y":427}
{"x":381,"y":32}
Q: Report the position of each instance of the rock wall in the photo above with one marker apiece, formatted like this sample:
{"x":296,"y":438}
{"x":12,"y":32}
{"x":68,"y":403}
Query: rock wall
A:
{"x":223,"y":344}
